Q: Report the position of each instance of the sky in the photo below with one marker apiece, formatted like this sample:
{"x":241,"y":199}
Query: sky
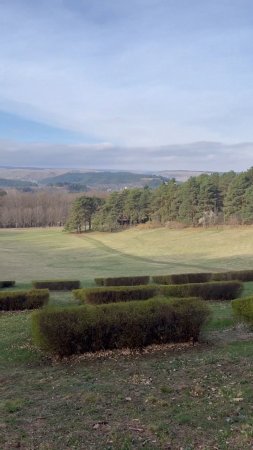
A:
{"x":136,"y":84}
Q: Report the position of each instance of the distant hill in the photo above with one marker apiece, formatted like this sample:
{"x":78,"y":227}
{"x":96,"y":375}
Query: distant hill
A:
{"x":109,"y":180}
{"x":77,"y":180}
{"x":17,"y":184}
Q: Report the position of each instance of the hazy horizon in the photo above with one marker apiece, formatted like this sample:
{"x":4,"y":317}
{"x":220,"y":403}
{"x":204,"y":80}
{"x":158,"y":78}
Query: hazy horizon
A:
{"x":199,"y":156}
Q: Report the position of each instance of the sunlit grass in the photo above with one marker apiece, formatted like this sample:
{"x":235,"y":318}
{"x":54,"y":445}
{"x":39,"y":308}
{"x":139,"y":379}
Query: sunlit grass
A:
{"x":50,"y":253}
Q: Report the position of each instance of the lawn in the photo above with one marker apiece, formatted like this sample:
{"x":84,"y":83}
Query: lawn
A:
{"x":177,"y":397}
{"x":46,"y":253}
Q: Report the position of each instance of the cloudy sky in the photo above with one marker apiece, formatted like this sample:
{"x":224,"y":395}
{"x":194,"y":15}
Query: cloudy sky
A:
{"x":136,"y":84}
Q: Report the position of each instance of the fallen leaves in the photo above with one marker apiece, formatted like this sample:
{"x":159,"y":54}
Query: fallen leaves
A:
{"x":126,"y":352}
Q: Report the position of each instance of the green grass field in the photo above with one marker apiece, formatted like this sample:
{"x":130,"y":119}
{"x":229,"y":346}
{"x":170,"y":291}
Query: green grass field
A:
{"x":178,"y":397}
{"x":51,"y":253}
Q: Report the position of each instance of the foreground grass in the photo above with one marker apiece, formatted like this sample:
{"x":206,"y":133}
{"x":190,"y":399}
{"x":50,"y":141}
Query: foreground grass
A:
{"x":173,"y":398}
{"x":186,"y":398}
{"x":46,"y":253}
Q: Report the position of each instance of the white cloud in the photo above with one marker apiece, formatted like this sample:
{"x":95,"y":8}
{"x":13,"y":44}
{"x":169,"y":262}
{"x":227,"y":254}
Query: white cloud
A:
{"x":138,"y":75}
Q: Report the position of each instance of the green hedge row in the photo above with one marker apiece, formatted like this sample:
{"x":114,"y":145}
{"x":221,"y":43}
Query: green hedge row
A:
{"x":134,"y":325}
{"x":115,"y":294}
{"x":57,"y":285}
{"x":243,"y":309}
{"x":122,"y":281}
{"x":182,"y":278}
{"x":204,"y":277}
{"x":241,"y":275}
{"x":20,"y":300}
{"x":226,"y":290}
{"x":5,"y":284}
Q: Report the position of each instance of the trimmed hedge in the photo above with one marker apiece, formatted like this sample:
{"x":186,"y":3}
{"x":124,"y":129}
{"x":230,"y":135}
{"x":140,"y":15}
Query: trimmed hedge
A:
{"x":241,"y":275}
{"x":5,"y":284}
{"x":122,"y":281}
{"x":204,"y":277}
{"x":115,"y":294}
{"x":57,"y":285}
{"x":20,"y":300}
{"x":226,"y":290}
{"x":134,"y":325}
{"x":182,"y":278}
{"x":243,"y":309}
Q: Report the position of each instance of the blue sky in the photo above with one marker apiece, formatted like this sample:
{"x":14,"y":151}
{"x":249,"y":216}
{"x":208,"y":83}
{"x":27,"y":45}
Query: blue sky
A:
{"x":89,"y":75}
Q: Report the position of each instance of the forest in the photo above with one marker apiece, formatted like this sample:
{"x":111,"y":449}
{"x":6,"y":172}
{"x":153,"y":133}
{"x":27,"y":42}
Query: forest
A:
{"x":204,"y":200}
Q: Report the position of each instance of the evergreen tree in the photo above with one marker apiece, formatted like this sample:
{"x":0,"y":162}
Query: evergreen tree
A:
{"x":189,"y":202}
{"x":164,"y":202}
{"x":83,"y":210}
{"x":247,"y":208}
{"x":210,"y":202}
{"x":234,"y":201}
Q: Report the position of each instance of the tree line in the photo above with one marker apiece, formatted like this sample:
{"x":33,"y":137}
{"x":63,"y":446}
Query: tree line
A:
{"x":37,"y":209}
{"x":204,"y":200}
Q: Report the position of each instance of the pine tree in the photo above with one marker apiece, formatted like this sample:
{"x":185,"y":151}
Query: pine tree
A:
{"x":247,"y":208}
{"x":83,"y":209}
{"x":234,"y":201}
{"x":189,"y":205}
{"x":210,"y":202}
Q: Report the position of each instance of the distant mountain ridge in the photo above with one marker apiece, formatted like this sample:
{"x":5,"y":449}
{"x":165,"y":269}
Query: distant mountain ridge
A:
{"x":105,"y":179}
{"x":84,"y":180}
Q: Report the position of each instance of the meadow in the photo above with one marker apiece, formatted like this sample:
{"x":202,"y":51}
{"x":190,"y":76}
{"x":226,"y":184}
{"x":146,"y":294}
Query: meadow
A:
{"x":50,"y":253}
{"x":171,"y":397}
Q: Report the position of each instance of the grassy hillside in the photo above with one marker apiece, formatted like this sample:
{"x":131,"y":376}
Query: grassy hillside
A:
{"x":47,"y":253}
{"x":165,"y":397}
